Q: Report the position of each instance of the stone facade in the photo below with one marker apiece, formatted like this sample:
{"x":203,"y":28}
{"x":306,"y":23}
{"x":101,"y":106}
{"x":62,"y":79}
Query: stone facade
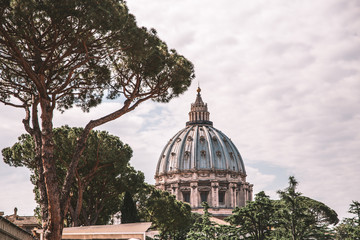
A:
{"x":200,"y":163}
{"x":9,"y":231}
{"x":222,"y":190}
{"x":28,"y":223}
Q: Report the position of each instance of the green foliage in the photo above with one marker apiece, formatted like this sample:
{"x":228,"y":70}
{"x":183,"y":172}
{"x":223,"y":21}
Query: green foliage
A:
{"x":300,"y":217}
{"x":102,"y":175}
{"x":171,"y":217}
{"x":349,"y":229}
{"x":21,"y":154}
{"x":293,"y":217}
{"x":83,"y":49}
{"x":128,"y":210}
{"x":205,"y":229}
{"x":255,"y":219}
{"x":355,"y":209}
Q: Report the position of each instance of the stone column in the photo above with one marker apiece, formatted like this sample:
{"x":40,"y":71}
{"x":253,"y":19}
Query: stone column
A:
{"x":237,"y":196}
{"x":215,"y":194}
{"x":241,"y":196}
{"x":246,"y":189}
{"x":251,"y":192}
{"x":194,"y":193}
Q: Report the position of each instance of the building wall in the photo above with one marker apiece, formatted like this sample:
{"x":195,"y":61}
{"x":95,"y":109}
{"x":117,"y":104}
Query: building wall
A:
{"x":9,"y":231}
{"x":236,"y":191}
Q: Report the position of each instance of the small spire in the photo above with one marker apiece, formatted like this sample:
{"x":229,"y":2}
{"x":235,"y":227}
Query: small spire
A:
{"x":199,"y":101}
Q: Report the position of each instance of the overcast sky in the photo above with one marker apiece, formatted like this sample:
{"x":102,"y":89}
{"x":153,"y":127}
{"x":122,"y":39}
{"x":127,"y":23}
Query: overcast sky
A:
{"x":281,"y":79}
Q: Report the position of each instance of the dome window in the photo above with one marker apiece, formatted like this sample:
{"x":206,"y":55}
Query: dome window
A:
{"x":178,"y":139}
{"x":202,"y":139}
{"x":214,"y":139}
{"x":218,"y":153}
{"x":231,"y":155}
{"x":173,"y":154}
{"x":203,"y":153}
{"x":189,"y":138}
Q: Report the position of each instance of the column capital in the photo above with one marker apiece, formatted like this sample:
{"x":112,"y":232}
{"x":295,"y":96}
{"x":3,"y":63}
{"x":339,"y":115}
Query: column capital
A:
{"x":215,"y":184}
{"x":174,"y":185}
{"x":233,"y":185}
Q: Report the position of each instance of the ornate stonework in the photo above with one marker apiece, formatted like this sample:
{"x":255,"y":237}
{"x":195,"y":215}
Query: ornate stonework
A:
{"x":200,"y":163}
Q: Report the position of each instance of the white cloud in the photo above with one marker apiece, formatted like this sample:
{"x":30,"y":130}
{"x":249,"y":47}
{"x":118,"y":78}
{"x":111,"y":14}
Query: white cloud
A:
{"x":261,"y":181}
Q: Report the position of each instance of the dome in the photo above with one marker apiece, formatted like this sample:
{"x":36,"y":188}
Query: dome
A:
{"x":201,"y":164}
{"x":200,"y":147}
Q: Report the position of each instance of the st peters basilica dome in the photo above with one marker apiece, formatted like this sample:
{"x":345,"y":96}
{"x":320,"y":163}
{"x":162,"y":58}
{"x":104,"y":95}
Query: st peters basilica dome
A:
{"x":200,"y":163}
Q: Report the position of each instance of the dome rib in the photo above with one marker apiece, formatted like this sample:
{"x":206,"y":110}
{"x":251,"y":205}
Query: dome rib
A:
{"x":161,"y":162}
{"x":240,"y":158}
{"x":167,"y":151}
{"x":220,"y":140}
{"x":182,"y":150}
{"x":210,"y":147}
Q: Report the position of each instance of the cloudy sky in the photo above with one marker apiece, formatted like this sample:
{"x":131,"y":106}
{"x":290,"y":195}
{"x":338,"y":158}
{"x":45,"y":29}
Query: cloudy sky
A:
{"x":281,"y":79}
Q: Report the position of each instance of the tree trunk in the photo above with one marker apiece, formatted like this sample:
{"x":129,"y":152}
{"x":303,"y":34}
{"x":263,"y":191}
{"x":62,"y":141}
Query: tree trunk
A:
{"x":54,"y":224}
{"x":76,"y":220}
{"x":43,"y":201}
{"x":40,"y":183}
{"x":58,"y":199}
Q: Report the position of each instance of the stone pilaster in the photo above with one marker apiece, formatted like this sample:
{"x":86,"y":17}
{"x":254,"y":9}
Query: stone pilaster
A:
{"x":215,"y":194}
{"x":242,"y":195}
{"x":194,"y":195}
{"x":246,"y":193}
{"x":232,"y":187}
